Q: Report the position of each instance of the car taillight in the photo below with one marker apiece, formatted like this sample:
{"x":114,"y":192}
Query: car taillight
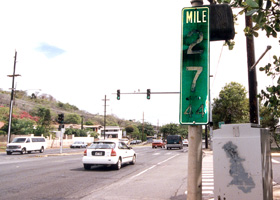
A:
{"x":85,"y":152}
{"x":113,"y":152}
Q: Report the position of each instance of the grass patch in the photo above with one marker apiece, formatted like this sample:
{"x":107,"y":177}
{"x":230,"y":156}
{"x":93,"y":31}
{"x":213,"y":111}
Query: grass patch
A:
{"x":275,"y":150}
{"x":3,"y":146}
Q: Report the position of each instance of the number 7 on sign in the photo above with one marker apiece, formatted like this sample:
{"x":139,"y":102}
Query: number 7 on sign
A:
{"x":198,"y":72}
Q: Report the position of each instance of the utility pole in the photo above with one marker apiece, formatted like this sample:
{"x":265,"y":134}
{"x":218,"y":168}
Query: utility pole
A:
{"x":252,"y":75}
{"x":105,"y":100}
{"x":12,"y":97}
{"x":143,"y":128}
{"x":82,"y":122}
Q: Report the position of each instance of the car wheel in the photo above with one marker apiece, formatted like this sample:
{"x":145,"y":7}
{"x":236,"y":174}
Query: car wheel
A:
{"x":29,"y":152}
{"x":118,"y":165}
{"x":42,"y":150}
{"x":9,"y":153}
{"x":87,"y":166}
{"x":23,"y":151}
{"x":133,"y":160}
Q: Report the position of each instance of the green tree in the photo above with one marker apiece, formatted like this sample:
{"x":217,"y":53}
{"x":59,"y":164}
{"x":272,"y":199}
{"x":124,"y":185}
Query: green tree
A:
{"x":148,"y":129}
{"x":268,"y":120}
{"x":76,"y":132}
{"x":89,"y":123}
{"x":169,"y":129}
{"x":72,"y":119}
{"x":183,"y":131}
{"x":19,"y":127}
{"x":44,"y":122}
{"x":265,"y":16}
{"x":232,"y":105}
{"x":4,"y":114}
{"x":133,"y":132}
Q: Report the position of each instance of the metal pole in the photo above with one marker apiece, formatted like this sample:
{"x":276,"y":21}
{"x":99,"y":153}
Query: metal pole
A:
{"x":252,"y":75}
{"x":195,"y":152}
{"x":12,"y":99}
{"x":206,"y":136}
{"x":61,"y":143}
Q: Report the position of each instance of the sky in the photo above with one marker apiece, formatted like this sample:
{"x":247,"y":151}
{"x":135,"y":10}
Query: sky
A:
{"x":78,"y":51}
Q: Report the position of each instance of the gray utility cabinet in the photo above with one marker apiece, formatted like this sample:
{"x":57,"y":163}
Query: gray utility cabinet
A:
{"x":242,"y":163}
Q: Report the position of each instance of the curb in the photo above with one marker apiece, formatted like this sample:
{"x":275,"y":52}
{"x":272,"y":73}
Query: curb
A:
{"x":60,"y":154}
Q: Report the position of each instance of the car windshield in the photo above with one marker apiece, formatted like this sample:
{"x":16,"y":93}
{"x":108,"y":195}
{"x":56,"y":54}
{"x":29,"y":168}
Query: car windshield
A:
{"x":77,"y":142}
{"x":102,"y":145}
{"x":157,"y":141}
{"x":19,"y":140}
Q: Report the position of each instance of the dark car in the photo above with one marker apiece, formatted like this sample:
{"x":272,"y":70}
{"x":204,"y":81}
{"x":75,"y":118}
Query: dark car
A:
{"x":174,"y":141}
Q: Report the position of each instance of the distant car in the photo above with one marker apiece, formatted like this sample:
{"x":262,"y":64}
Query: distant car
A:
{"x":185,"y":142}
{"x":26,"y":144}
{"x":174,"y":141}
{"x":135,"y":142}
{"x":78,"y":144}
{"x":125,"y":140}
{"x":110,"y":153}
{"x":158,"y":143}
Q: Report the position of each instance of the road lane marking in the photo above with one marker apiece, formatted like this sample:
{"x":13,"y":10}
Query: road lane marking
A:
{"x":140,"y":173}
{"x":274,"y":161}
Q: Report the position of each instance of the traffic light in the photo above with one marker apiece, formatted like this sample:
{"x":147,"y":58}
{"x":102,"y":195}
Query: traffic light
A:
{"x":60,"y":118}
{"x":148,"y":94}
{"x":221,"y":22}
{"x":118,"y":94}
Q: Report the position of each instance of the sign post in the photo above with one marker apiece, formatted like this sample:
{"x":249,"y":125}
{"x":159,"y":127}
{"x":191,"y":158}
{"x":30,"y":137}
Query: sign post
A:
{"x":194,"y":88}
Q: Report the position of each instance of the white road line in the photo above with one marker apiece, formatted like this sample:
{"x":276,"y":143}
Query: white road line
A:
{"x":275,"y":161}
{"x":153,"y":166}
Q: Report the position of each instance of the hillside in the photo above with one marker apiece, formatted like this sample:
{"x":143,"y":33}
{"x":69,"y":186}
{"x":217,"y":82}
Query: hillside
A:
{"x":27,"y":103}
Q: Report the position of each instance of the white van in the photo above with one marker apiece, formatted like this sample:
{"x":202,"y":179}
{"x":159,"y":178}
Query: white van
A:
{"x":26,"y":144}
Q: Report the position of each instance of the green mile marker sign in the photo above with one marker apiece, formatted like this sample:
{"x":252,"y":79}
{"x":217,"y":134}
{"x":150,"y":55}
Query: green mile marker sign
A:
{"x":194,"y":88}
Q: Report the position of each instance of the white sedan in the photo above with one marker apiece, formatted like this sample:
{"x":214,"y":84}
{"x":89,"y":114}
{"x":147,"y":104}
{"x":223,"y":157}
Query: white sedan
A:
{"x":110,"y":153}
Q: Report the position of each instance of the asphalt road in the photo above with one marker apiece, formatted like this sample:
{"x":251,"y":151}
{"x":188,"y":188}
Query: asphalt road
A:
{"x":157,"y":174}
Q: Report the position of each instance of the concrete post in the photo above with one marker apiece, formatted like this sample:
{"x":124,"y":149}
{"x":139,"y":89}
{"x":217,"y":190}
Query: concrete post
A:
{"x":195,"y":163}
{"x":195,"y":152}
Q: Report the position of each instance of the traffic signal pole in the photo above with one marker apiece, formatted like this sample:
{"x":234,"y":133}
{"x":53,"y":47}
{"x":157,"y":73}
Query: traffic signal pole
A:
{"x":252,"y":75}
{"x":195,"y":152}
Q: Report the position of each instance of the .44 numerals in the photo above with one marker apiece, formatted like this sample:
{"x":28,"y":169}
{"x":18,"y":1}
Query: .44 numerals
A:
{"x":199,"y":111}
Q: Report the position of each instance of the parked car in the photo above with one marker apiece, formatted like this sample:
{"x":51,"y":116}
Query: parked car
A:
{"x":78,"y":144}
{"x":185,"y":142}
{"x":174,"y":141}
{"x":110,"y":153}
{"x":135,"y":142}
{"x":158,"y":143}
{"x":26,"y":144}
{"x":125,"y":140}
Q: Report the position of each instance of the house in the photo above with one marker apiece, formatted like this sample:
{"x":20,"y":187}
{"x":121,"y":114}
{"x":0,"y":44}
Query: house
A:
{"x":111,"y":132}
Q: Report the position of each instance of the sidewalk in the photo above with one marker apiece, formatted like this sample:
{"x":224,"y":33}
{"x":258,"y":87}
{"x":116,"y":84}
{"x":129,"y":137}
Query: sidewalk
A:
{"x":207,"y":162}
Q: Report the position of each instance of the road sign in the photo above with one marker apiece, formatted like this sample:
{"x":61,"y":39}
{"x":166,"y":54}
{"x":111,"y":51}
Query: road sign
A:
{"x":194,"y":88}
